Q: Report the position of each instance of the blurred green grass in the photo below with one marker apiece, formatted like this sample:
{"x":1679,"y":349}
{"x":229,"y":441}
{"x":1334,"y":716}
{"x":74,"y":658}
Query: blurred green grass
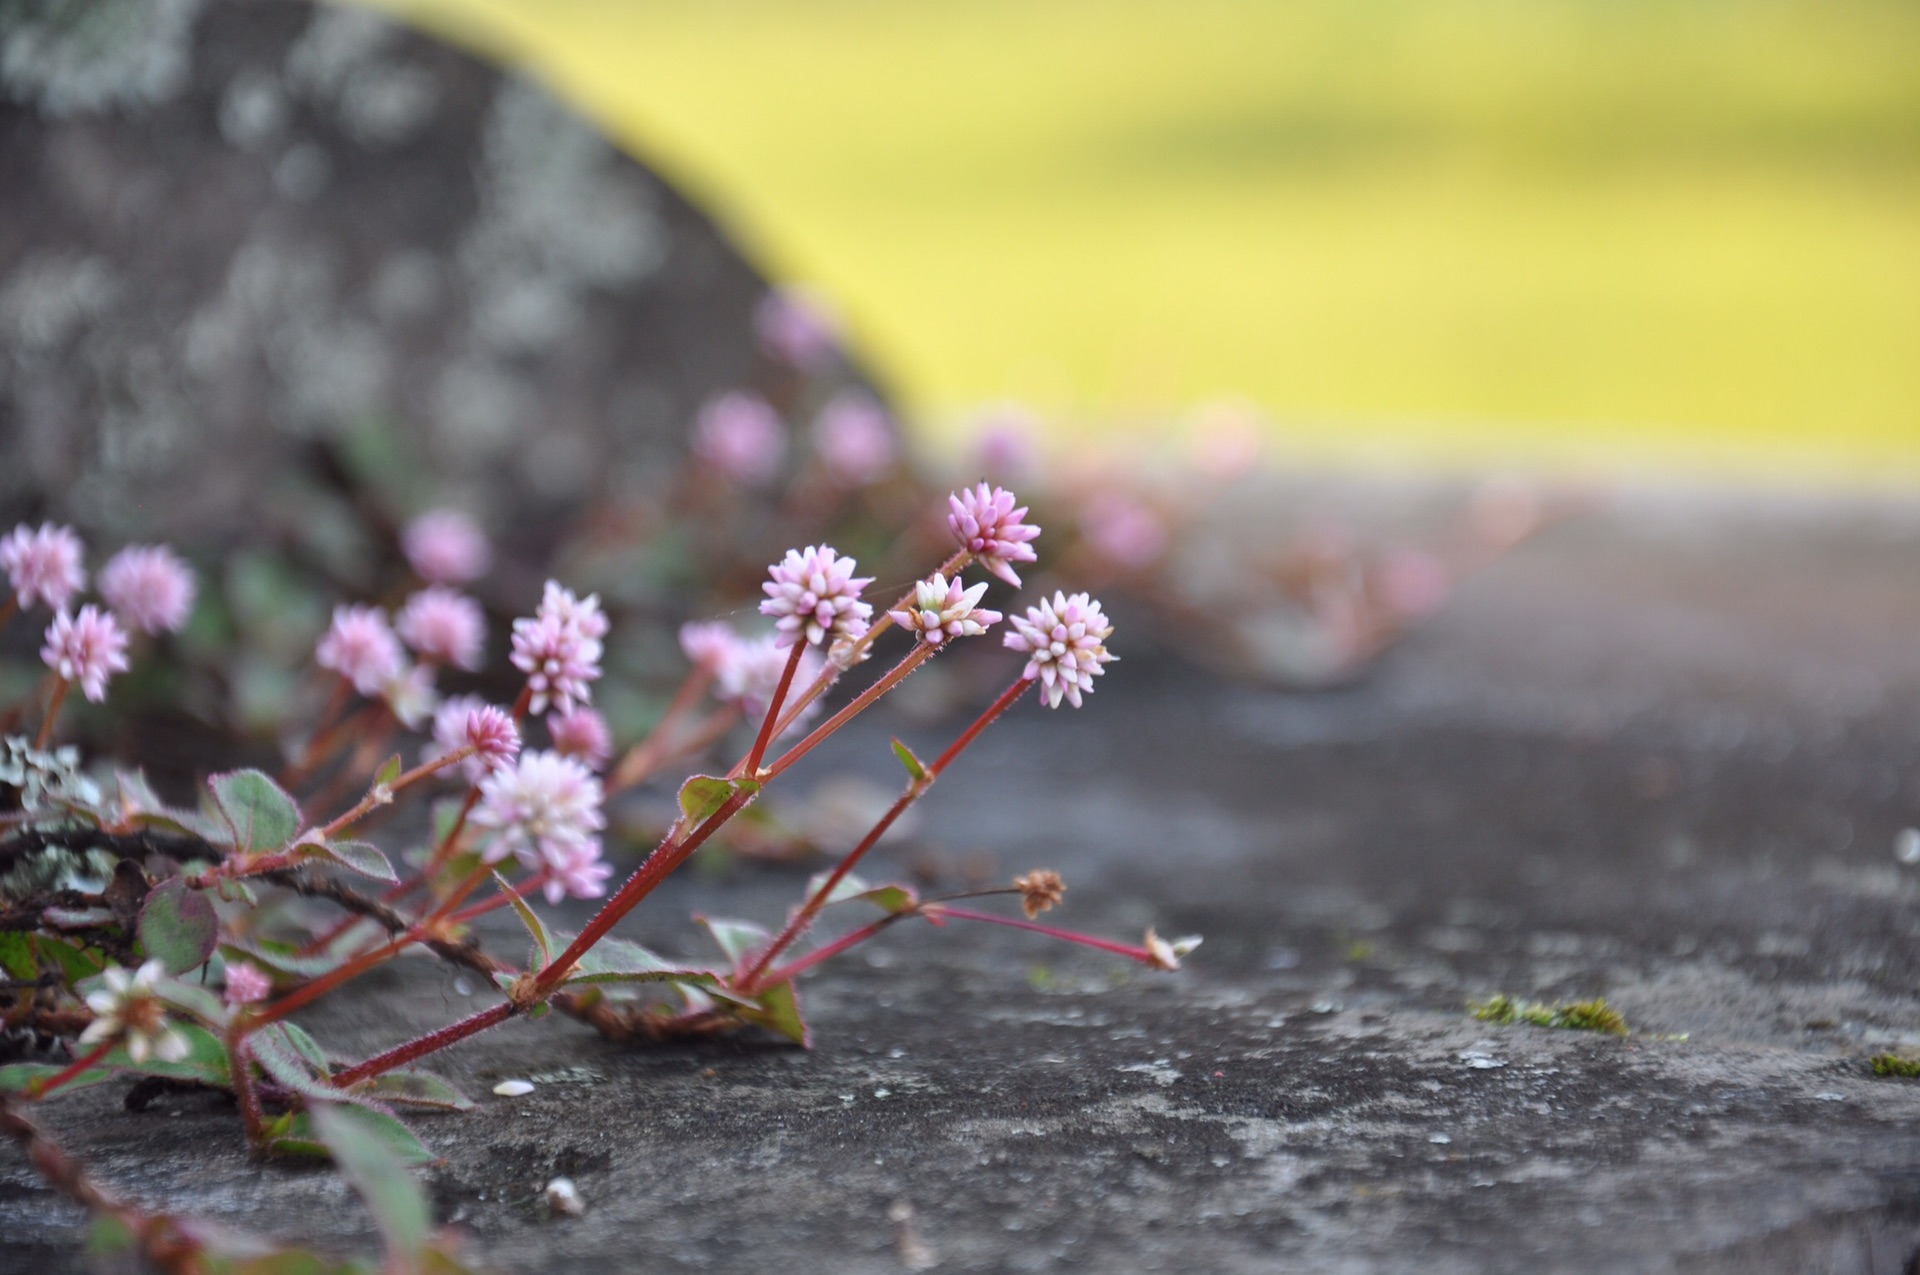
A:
{"x":1581,"y":233}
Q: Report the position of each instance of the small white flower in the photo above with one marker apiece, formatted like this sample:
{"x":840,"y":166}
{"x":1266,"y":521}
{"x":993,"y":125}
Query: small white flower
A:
{"x":129,"y":1010}
{"x":1065,"y":641}
{"x":942,"y":610}
{"x":812,"y":593}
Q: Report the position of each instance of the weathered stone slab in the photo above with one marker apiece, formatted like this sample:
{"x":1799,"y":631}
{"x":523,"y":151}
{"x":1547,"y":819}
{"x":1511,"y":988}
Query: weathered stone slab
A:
{"x":1659,"y":755}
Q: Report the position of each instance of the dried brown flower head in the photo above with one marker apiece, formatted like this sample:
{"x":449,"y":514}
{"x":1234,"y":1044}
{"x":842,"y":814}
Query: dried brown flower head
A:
{"x":1039,"y":890}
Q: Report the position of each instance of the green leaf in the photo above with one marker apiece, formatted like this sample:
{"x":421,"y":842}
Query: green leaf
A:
{"x":307,"y":1047}
{"x":916,"y":768}
{"x":284,"y":958}
{"x":736,"y":938}
{"x":618,"y":961}
{"x":355,"y":856}
{"x":260,"y":813}
{"x":891,"y":899}
{"x":362,"y":1145}
{"x":111,"y":1240}
{"x":541,"y":939}
{"x":15,"y":1077}
{"x":414,"y":1089}
{"x":285,"y":1060}
{"x":178,"y":926}
{"x":389,"y":771}
{"x":193,"y":1000}
{"x":75,"y":961}
{"x":205,"y":1062}
{"x":779,"y":1011}
{"x":17,"y":958}
{"x":702,"y":796}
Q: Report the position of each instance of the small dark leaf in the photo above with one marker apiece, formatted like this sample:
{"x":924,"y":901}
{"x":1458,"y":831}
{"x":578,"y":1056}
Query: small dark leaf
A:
{"x":17,"y":959}
{"x":260,"y":813}
{"x":178,"y":926}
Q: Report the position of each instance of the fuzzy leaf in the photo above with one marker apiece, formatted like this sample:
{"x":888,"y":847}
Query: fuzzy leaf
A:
{"x":618,"y":961}
{"x":736,"y":938}
{"x":15,"y":1077}
{"x":355,"y":856}
{"x":364,"y":1147}
{"x":178,"y":926}
{"x":193,"y":1000}
{"x":389,"y":771}
{"x":283,"y":958}
{"x":535,"y":926}
{"x":779,"y":1011}
{"x":414,"y":1089}
{"x":286,"y":1061}
{"x":703,"y":795}
{"x":261,"y":814}
{"x":916,"y":769}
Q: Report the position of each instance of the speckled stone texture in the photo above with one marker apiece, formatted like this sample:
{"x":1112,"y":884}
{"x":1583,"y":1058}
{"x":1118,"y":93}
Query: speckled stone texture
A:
{"x":1661,"y":755}
{"x":234,"y":229}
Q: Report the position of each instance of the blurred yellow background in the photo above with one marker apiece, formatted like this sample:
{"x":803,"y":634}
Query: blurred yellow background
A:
{"x":1587,"y":234}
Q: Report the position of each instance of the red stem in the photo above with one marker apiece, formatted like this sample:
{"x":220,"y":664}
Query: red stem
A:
{"x":773,"y":708}
{"x":42,"y":1088}
{"x":60,"y":685}
{"x":915,"y":658}
{"x":786,"y":973}
{"x":421,"y":1046}
{"x":1085,"y":940}
{"x":641,"y":759}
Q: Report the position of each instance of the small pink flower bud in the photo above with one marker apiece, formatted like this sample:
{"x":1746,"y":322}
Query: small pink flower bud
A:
{"x":86,"y":649}
{"x":855,"y":439}
{"x":577,"y":870}
{"x":984,"y":520}
{"x":580,"y":732}
{"x":444,"y":626}
{"x":44,"y":565}
{"x":246,"y":984}
{"x":742,"y":437}
{"x":796,"y":327}
{"x":943,"y":610}
{"x":559,"y":648}
{"x":148,"y":587}
{"x":360,"y":647}
{"x":445,"y":546}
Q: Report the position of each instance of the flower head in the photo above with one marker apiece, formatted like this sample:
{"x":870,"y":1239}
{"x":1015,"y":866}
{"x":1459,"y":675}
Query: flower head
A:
{"x":581,"y":732}
{"x":742,"y":437}
{"x":128,"y":1009}
{"x":559,"y":648}
{"x":577,"y":870}
{"x":943,"y":610}
{"x":1124,"y":531}
{"x":44,"y":565}
{"x":985,"y":521}
{"x":246,"y":983}
{"x":855,"y":439}
{"x":1163,"y":955}
{"x":360,"y":646}
{"x":813,"y":592}
{"x":469,"y":721}
{"x":796,"y":327}
{"x":1039,"y":890}
{"x":447,"y":547}
{"x":149,"y":587}
{"x":88,"y":648}
{"x":444,"y":626}
{"x":708,"y":644}
{"x":543,"y":809}
{"x":1065,"y":641}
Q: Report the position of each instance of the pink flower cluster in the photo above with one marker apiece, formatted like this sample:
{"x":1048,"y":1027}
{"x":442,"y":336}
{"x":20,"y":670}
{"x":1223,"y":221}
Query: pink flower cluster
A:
{"x":446,"y":547}
{"x":444,"y":626}
{"x":746,"y":670}
{"x":148,"y":587}
{"x":1065,"y":642}
{"x":559,"y":648}
{"x":43,"y":565}
{"x":468,"y":720}
{"x":813,"y":592}
{"x":582,"y":733}
{"x":943,"y":610}
{"x":360,"y":646}
{"x":86,"y":649}
{"x":855,"y":438}
{"x":742,"y":437}
{"x":546,"y":813}
{"x":986,"y":522}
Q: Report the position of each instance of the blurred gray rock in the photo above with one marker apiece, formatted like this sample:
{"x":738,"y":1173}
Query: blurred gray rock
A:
{"x":234,"y":233}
